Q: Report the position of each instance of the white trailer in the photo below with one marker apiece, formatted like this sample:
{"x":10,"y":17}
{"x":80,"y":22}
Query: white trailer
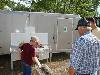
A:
{"x":60,"y":28}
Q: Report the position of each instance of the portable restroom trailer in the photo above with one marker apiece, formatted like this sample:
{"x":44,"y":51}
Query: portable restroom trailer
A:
{"x":58,"y":26}
{"x":60,"y":29}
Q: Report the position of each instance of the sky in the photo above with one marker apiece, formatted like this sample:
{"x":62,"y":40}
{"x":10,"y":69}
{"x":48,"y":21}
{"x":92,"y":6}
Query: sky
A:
{"x":98,"y":9}
{"x":20,"y":2}
{"x":26,"y":5}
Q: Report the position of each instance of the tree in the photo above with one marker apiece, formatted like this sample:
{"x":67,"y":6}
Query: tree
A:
{"x":4,"y":3}
{"x":82,"y":7}
{"x":20,"y":7}
{"x":14,"y":6}
{"x":85,"y":7}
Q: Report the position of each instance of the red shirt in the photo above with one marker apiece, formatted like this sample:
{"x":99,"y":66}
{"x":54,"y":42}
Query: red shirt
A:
{"x":27,"y":53}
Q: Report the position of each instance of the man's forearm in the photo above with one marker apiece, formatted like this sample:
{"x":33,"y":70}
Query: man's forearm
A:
{"x":35,"y":59}
{"x":71,"y":71}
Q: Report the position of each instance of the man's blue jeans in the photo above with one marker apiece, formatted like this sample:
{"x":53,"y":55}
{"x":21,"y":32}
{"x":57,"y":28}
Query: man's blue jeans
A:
{"x":26,"y":69}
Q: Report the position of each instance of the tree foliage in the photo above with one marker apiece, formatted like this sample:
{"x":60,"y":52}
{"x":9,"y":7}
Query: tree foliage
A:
{"x":81,"y":7}
{"x":3,"y":3}
{"x":13,"y":5}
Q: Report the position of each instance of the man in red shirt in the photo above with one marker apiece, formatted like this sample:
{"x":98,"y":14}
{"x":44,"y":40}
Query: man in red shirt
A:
{"x":28,"y":55}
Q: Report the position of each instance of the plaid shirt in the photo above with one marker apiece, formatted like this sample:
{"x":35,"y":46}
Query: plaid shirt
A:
{"x":85,"y":54}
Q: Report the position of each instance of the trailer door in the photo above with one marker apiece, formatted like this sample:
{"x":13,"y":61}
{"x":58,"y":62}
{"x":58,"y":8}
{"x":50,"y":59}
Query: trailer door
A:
{"x":64,"y":34}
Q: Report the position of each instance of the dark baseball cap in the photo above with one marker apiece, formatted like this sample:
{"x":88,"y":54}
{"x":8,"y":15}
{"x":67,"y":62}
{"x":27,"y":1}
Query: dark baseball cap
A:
{"x":83,"y":22}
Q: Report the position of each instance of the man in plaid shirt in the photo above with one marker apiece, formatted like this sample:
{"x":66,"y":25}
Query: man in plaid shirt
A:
{"x":86,"y":51}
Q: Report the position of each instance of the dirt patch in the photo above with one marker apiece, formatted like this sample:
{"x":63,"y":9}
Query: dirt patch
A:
{"x":58,"y":65}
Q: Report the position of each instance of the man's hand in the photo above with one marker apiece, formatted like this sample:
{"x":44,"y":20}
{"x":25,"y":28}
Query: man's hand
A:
{"x":35,"y":59}
{"x":71,"y":71}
